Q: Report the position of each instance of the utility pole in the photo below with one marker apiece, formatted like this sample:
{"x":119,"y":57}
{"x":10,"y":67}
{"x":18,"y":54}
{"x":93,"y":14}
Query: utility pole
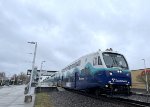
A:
{"x":146,"y":79}
{"x":28,"y":98}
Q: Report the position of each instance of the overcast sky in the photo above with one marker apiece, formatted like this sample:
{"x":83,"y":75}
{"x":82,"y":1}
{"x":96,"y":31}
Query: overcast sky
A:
{"x":68,"y":29}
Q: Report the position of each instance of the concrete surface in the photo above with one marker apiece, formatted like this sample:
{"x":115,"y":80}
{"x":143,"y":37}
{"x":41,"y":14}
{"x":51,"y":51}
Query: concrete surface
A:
{"x":13,"y":96}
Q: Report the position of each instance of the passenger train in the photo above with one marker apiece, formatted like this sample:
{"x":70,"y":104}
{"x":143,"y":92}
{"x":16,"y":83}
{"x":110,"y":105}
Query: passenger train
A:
{"x":99,"y":72}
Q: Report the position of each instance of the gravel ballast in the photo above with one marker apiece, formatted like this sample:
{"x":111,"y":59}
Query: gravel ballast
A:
{"x":70,"y":99}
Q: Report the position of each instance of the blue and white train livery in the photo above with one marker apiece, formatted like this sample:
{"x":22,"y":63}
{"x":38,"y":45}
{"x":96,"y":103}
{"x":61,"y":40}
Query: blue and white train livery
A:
{"x":101,"y":72}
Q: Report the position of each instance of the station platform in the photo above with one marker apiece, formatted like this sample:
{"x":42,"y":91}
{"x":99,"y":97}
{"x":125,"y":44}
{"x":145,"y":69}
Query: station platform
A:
{"x":45,"y":88}
{"x":60,"y":89}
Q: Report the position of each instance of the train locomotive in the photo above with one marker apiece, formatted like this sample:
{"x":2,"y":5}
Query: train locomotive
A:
{"x":100,"y":72}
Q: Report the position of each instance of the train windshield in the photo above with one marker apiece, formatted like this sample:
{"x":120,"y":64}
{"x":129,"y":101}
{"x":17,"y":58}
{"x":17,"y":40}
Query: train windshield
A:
{"x":115,"y":60}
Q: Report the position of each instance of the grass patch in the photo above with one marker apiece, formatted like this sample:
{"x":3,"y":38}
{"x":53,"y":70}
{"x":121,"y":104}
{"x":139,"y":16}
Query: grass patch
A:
{"x":42,"y":100}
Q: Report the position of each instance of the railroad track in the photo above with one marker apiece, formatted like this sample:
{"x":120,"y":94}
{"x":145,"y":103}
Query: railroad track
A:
{"x":118,"y":100}
{"x":140,"y":94}
{"x":131,"y":102}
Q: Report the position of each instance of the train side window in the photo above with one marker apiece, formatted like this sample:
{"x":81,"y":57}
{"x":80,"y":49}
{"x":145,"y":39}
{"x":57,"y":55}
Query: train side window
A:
{"x":95,"y":61}
{"x":99,"y":61}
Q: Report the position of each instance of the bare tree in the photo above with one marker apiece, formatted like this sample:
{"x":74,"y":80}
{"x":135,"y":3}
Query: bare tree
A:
{"x":2,"y":77}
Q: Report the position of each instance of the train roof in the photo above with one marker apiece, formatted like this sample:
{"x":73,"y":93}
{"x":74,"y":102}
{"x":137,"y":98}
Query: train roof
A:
{"x":97,"y":52}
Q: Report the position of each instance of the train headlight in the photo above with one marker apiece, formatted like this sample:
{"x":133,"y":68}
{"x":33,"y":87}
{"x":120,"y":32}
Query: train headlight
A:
{"x":110,"y":73}
{"x":106,"y":85}
{"x":128,"y":74}
{"x":119,"y":71}
{"x":109,"y":81}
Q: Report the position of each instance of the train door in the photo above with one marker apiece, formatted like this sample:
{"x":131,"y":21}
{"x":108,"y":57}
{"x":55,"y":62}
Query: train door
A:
{"x":62,"y":79}
{"x":76,"y":79}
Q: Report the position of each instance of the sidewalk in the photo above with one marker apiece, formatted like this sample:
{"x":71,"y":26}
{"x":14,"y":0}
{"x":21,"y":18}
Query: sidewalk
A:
{"x":13,"y":96}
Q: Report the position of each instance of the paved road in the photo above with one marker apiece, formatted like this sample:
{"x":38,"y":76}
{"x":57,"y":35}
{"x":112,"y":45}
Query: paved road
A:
{"x":13,"y":96}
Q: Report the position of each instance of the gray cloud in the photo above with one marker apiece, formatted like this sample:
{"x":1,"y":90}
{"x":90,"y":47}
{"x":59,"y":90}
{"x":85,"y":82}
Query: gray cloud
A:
{"x":68,"y":30}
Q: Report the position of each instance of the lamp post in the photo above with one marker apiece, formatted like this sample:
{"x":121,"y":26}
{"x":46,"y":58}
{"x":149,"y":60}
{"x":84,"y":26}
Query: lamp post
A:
{"x":146,"y":79}
{"x":33,"y":66}
{"x":41,"y":70}
{"x":40,"y":74}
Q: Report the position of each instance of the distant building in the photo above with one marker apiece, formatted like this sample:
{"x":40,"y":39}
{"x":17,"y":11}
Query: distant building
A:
{"x":138,"y":78}
{"x":44,"y":74}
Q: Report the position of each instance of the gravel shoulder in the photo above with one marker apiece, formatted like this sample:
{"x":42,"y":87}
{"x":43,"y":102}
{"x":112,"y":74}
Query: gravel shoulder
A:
{"x":42,"y":100}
